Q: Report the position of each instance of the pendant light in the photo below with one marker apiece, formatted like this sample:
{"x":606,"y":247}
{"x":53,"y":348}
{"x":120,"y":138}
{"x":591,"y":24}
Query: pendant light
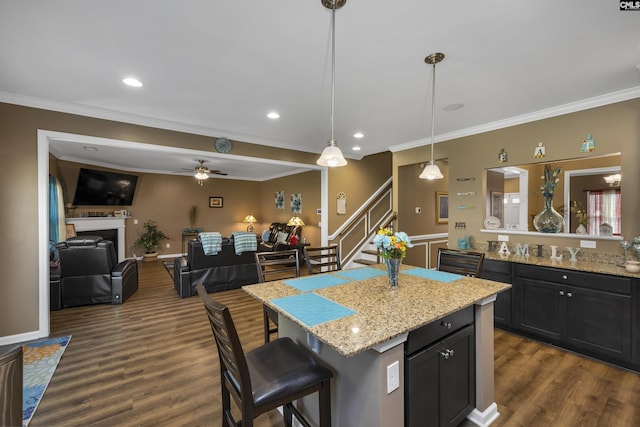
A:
{"x":332,"y":156}
{"x":432,"y":171}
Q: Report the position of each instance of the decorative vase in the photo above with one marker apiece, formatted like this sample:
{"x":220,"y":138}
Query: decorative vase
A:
{"x":548,"y":220}
{"x":393,"y":271}
{"x":581,"y":229}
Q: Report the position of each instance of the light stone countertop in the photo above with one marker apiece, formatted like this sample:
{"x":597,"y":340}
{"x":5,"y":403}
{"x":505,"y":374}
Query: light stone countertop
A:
{"x":382,"y":314}
{"x":591,"y":266}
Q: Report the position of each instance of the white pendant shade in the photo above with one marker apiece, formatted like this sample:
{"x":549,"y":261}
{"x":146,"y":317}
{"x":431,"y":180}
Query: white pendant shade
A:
{"x":331,"y":156}
{"x":431,"y":171}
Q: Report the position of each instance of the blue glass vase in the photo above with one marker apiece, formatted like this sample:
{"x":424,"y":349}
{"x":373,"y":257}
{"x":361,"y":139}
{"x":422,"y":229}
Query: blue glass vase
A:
{"x":548,"y":220}
{"x":393,"y":271}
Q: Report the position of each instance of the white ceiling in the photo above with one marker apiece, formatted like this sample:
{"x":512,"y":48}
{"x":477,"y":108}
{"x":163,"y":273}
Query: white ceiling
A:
{"x":217,"y":67}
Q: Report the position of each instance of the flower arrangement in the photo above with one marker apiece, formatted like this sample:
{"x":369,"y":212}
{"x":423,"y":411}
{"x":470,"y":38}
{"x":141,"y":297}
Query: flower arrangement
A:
{"x":549,"y":180}
{"x":580,"y":212}
{"x":392,"y":245}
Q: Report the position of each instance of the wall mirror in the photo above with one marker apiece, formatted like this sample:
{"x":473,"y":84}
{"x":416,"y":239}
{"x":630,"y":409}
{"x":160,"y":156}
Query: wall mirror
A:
{"x":581,"y":185}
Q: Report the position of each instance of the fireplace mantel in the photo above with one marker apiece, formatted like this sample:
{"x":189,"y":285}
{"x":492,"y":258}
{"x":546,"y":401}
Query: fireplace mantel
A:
{"x":102,"y":223}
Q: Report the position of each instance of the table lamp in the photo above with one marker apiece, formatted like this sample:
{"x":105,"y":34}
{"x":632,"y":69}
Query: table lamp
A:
{"x":250,"y":219}
{"x":296,"y":220}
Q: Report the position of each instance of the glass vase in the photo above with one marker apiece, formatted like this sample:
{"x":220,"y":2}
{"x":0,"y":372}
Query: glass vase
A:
{"x":393,"y":271}
{"x":548,"y":220}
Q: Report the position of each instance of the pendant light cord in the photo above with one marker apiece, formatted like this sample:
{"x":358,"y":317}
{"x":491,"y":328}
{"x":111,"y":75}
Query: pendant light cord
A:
{"x":333,"y":65}
{"x":433,"y":109}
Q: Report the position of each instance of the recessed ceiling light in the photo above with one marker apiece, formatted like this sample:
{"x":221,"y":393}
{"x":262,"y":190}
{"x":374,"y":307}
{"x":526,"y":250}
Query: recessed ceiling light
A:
{"x":452,"y":107}
{"x":358,"y":135}
{"x":356,"y":148}
{"x":273,"y":115}
{"x":132,"y":81}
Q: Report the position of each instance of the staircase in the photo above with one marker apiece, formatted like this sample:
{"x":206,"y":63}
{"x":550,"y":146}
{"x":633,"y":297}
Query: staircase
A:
{"x":370,"y":254}
{"x":355,"y":237}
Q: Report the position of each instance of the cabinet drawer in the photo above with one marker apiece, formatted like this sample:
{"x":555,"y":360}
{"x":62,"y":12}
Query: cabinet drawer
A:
{"x":493,"y":266}
{"x":439,"y":329}
{"x":596,"y":281}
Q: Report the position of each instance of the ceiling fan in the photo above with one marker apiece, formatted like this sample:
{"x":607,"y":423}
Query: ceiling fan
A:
{"x":202,"y":172}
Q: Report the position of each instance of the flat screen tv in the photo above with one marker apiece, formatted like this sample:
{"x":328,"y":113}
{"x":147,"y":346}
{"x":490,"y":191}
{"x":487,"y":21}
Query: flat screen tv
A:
{"x":101,"y":188}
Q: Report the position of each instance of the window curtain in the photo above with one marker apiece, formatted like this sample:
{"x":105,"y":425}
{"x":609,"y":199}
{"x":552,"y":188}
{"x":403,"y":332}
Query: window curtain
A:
{"x":57,"y":231}
{"x":604,"y":206}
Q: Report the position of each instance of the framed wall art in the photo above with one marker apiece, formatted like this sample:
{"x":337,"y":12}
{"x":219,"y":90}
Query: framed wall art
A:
{"x":280,"y":199}
{"x":296,"y":203}
{"x":442,"y":207}
{"x":215,"y":202}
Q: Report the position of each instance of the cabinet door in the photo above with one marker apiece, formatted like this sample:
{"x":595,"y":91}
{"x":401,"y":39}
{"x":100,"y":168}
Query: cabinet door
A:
{"x":422,"y":388}
{"x":599,"y":322}
{"x":457,"y":377}
{"x":499,"y":271}
{"x":540,"y":308}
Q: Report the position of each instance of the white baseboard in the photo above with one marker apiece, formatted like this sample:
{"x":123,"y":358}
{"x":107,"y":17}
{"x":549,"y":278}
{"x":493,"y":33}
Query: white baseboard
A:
{"x":485,"y":418}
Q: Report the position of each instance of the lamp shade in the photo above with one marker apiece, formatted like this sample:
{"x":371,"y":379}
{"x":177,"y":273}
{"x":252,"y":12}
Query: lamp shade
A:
{"x":331,"y":156}
{"x":250,"y":218}
{"x":295,"y":220}
{"x":431,"y":171}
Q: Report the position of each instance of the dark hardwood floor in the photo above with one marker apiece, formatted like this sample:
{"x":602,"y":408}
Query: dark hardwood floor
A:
{"x":152,"y":362}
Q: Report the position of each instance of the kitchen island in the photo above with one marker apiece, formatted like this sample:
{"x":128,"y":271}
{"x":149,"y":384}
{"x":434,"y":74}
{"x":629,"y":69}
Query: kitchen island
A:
{"x":359,"y":326}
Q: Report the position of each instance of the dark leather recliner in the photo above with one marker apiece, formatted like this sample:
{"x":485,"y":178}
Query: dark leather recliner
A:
{"x":272,"y":244}
{"x":90,"y":272}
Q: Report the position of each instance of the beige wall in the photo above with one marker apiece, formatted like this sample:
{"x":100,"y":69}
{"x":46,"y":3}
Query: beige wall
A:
{"x":615,"y":128}
{"x":19,"y":259}
{"x":167,"y":200}
{"x":358,"y":180}
{"x":308,"y":184}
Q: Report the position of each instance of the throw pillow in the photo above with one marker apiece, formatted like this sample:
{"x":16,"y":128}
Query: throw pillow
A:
{"x":282,"y":237}
{"x":265,"y":235}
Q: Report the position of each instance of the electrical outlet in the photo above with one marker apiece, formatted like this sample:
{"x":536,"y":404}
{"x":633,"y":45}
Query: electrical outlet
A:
{"x":503,"y":238}
{"x":588,"y":244}
{"x":393,"y":376}
{"x":168,"y":245}
{"x":135,"y":222}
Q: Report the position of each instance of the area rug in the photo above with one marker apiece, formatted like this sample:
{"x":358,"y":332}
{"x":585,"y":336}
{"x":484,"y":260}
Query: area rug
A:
{"x":40,"y":359}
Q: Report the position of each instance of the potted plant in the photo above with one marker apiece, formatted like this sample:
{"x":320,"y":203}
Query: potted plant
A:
{"x":150,"y":240}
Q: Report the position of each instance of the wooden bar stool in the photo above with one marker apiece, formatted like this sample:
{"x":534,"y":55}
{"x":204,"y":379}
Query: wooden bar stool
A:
{"x":272,"y":375}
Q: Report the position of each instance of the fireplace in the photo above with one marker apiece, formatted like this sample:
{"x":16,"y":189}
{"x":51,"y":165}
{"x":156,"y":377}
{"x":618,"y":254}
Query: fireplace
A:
{"x":111,"y":234}
{"x":106,"y":227}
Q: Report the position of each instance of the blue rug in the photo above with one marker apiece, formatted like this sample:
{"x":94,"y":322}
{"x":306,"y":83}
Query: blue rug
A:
{"x":40,"y":359}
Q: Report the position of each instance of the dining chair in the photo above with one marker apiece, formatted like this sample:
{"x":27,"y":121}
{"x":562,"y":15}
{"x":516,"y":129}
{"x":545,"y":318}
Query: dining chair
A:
{"x":322,"y":259}
{"x":465,"y":263}
{"x":272,"y":375}
{"x":275,"y":265}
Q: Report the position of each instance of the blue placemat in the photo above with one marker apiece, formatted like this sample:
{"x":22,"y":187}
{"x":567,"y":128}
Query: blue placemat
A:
{"x":310,"y":283}
{"x":440,"y":276}
{"x":361,"y":273}
{"x":312,"y":309}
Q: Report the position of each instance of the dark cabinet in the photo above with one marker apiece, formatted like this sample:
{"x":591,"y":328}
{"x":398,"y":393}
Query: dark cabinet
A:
{"x":586,"y":312}
{"x":500,"y":271}
{"x":440,"y":376}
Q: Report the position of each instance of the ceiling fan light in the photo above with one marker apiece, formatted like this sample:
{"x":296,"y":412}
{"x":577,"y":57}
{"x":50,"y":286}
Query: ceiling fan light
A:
{"x":431,"y":171}
{"x":200,"y":175}
{"x":331,"y":156}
